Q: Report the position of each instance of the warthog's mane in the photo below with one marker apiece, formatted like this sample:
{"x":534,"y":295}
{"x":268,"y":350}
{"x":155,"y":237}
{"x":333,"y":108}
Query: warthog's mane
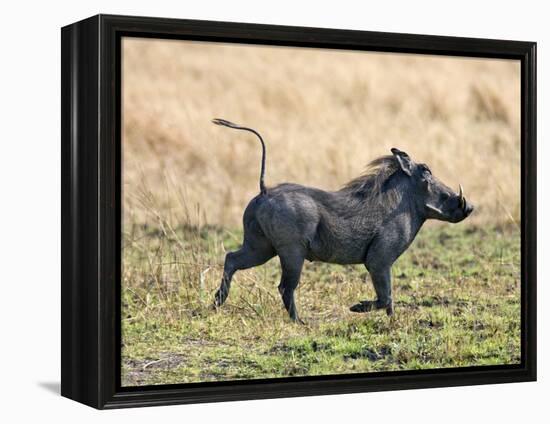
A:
{"x":371,"y":183}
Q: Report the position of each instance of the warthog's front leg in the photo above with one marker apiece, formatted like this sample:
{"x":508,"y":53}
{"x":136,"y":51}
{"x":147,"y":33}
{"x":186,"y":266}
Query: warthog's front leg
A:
{"x":381,"y":280}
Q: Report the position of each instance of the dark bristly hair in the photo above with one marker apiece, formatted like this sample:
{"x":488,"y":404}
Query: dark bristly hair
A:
{"x":371,"y":182}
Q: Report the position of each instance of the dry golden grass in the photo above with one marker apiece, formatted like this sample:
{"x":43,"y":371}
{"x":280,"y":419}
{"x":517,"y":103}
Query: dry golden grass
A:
{"x":324,"y":115}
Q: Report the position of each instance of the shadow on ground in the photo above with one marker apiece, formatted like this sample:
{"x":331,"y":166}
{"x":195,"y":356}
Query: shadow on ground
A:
{"x":51,"y":386}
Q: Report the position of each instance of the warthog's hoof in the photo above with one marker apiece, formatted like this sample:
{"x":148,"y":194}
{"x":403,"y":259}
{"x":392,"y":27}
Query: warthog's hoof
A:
{"x":298,"y":321}
{"x":369,"y":305}
{"x":364,"y":306}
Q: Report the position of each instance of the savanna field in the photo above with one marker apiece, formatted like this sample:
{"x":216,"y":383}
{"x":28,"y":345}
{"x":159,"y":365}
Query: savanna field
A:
{"x":324,"y":116}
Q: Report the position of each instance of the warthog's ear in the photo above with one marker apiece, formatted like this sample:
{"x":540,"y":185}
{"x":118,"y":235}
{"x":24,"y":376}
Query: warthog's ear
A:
{"x":405,"y":161}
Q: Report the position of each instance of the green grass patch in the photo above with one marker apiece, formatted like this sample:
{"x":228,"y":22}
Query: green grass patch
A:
{"x":456,"y":293}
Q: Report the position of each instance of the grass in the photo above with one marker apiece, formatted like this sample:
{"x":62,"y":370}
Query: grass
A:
{"x":456,"y":294}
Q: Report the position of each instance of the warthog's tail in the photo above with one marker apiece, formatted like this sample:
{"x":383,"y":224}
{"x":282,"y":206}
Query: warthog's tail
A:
{"x":238,"y":127}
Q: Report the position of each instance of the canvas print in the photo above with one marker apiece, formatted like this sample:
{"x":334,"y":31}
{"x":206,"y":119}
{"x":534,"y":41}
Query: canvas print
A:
{"x":295,"y":212}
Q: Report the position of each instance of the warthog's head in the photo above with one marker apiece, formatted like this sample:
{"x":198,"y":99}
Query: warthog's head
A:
{"x":433,"y":197}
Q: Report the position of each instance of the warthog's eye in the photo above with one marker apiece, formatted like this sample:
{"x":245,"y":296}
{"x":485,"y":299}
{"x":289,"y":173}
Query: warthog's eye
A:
{"x":426,"y":173}
{"x":425,"y":169}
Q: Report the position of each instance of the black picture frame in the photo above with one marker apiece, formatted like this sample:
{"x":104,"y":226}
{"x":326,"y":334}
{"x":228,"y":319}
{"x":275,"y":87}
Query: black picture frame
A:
{"x":91,"y":210}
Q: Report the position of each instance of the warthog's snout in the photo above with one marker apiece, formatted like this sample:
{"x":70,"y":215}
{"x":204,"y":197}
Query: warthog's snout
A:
{"x":455,"y":209}
{"x":464,"y":207}
{"x":463,"y":211}
{"x":468,"y":209}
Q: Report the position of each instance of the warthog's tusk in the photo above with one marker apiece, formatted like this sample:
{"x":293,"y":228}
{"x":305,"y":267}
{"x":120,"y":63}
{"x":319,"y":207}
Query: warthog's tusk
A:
{"x":461,"y":197}
{"x":434,"y":209}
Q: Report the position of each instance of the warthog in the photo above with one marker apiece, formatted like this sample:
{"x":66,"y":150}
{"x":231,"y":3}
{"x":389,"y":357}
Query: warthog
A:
{"x":372,"y":220}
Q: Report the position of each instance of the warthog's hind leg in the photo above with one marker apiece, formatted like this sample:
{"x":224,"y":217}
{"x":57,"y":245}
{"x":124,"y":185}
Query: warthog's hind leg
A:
{"x":291,"y":264}
{"x":244,"y":258}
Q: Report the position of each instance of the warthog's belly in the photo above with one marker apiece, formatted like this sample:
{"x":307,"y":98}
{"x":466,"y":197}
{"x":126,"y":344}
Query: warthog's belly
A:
{"x":343,"y":252}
